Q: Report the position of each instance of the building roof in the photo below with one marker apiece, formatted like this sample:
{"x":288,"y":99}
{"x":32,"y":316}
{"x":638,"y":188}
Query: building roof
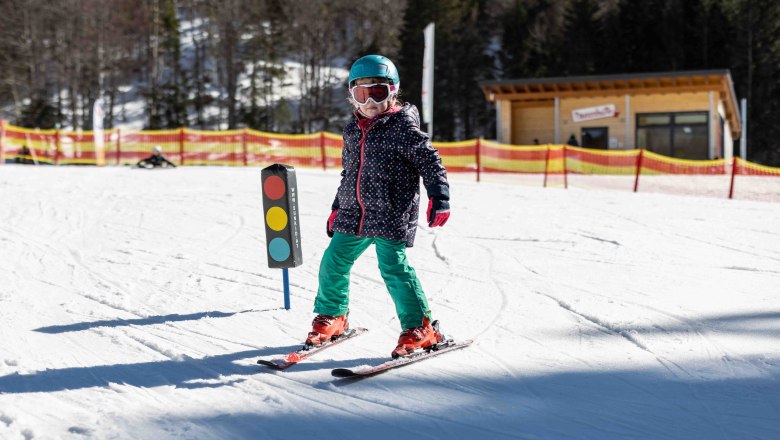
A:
{"x":546,"y":89}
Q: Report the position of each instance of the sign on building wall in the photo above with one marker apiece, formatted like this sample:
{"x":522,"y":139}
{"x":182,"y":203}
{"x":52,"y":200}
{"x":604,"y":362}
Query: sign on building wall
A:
{"x":591,"y":113}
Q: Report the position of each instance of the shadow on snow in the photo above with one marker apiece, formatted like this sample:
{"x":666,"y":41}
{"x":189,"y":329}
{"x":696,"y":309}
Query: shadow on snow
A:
{"x":151,"y":320}
{"x":435,"y":402}
{"x":187,"y":373}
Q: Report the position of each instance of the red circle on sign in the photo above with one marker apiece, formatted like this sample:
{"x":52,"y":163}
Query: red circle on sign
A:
{"x":274,"y":187}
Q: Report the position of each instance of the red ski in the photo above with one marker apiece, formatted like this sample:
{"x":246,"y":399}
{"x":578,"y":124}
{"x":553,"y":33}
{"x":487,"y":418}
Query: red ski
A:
{"x":294,"y":357}
{"x":440,"y":348}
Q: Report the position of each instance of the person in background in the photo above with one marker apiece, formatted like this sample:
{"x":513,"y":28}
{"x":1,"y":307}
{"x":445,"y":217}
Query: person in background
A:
{"x":573,"y":141}
{"x":24,"y":156}
{"x":156,"y":160}
{"x":385,"y":154}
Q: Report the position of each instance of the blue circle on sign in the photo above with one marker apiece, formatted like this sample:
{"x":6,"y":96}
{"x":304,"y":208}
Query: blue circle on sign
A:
{"x":279,"y":249}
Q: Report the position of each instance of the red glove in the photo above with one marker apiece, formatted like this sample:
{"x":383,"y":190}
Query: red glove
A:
{"x":331,"y":220}
{"x":438,"y":212}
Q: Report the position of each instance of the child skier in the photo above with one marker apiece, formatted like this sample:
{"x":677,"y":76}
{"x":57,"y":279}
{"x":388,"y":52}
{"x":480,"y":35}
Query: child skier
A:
{"x":384,"y":156}
{"x":156,"y":160}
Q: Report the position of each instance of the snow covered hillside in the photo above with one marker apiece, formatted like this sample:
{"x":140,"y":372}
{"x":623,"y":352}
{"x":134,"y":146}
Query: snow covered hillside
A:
{"x":134,"y":304}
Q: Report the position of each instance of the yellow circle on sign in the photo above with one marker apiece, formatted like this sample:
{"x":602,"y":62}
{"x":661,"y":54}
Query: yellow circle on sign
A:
{"x":276,"y":218}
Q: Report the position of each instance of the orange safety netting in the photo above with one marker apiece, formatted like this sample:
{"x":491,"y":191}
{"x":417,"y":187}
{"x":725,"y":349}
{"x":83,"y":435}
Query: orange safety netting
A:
{"x":458,"y":157}
{"x":653,"y":163}
{"x":612,"y":169}
{"x":755,"y":182}
{"x":670,"y":175}
{"x":547,"y":165}
{"x":41,"y":145}
{"x":616,"y":162}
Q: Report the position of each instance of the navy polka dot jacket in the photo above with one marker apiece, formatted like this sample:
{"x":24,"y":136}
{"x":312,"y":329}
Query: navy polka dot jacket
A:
{"x":383,"y":161}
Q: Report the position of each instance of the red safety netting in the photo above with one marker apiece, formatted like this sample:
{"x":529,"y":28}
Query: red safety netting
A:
{"x":669,"y":175}
{"x":28,"y":146}
{"x":609,"y":169}
{"x":512,"y":163}
{"x":538,"y":165}
{"x":304,"y":150}
{"x":752,"y":181}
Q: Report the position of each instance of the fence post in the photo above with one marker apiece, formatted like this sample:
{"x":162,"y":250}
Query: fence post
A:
{"x":2,"y":141}
{"x":244,"y":146}
{"x":118,"y":145}
{"x":733,"y":173}
{"x":478,"y":153}
{"x":638,"y":169}
{"x":57,"y":146}
{"x":546,"y":166}
{"x":565,"y":169}
{"x":181,"y":146}
{"x":322,"y":150}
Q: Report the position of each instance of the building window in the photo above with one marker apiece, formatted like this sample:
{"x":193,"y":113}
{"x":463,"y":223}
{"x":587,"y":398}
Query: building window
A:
{"x":595,"y":137}
{"x":683,"y":135}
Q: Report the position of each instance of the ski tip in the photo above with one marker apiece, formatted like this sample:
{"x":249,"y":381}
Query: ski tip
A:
{"x":342,"y":372}
{"x":274,"y":365}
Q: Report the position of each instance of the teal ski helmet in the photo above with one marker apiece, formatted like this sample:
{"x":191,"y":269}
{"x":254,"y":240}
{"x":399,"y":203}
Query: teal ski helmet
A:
{"x":374,"y":66}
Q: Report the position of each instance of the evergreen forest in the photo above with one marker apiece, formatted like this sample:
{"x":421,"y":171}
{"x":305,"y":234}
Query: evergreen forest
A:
{"x":217,"y":64}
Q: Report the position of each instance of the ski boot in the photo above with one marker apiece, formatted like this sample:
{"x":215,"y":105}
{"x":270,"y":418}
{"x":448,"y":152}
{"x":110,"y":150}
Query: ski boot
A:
{"x":327,"y":328}
{"x":415,"y":338}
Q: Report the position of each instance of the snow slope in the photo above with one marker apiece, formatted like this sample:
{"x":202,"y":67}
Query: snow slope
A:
{"x":134,"y":304}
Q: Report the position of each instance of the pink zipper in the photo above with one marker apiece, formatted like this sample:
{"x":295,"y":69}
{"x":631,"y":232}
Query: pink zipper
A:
{"x":360,"y":170}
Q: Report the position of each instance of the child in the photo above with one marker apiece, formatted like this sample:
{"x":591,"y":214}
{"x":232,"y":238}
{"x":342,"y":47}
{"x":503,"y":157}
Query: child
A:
{"x":384,"y":156}
{"x":155,"y":160}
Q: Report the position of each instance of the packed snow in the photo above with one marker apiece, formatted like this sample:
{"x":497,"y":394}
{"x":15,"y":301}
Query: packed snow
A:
{"x":134,"y":304}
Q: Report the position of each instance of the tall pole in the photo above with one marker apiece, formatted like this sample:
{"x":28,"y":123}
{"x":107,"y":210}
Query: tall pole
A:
{"x":98,"y":137}
{"x":2,"y":141}
{"x":427,"y":81}
{"x":743,"y":136}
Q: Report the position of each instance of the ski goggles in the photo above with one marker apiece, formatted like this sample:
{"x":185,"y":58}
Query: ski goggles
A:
{"x":378,"y":93}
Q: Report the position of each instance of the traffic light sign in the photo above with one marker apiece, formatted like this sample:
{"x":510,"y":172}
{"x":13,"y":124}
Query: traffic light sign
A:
{"x":280,"y":208}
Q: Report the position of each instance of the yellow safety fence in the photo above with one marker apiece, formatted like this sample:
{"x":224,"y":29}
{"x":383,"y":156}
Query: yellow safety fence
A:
{"x":247,"y":147}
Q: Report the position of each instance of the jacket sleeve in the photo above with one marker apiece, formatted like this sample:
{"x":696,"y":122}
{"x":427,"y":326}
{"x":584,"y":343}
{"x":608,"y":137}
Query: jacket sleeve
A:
{"x":427,"y":161}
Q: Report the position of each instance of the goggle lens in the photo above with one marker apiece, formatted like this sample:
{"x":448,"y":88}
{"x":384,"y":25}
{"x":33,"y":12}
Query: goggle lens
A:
{"x":375,"y":92}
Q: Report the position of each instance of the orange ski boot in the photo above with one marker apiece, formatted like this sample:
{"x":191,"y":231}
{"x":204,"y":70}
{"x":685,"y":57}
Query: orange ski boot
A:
{"x":326,"y":328}
{"x":415,"y":338}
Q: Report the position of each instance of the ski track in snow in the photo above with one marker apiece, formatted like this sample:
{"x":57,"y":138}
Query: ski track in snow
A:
{"x":134,"y":305}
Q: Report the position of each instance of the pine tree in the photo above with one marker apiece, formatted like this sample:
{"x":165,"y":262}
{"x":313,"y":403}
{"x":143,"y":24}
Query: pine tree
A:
{"x":582,"y":34}
{"x":515,"y":34}
{"x":761,"y":84}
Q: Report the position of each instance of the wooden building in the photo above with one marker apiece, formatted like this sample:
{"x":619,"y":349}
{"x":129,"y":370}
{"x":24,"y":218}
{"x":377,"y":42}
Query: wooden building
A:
{"x":691,"y":115}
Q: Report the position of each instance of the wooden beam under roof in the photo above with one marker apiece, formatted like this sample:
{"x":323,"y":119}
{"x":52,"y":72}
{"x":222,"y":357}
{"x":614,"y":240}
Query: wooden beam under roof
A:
{"x":534,"y":104}
{"x":605,"y":92}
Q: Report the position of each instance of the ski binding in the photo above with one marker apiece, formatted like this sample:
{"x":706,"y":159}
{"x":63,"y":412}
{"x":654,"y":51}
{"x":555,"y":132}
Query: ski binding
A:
{"x":305,"y":352}
{"x":435,"y":350}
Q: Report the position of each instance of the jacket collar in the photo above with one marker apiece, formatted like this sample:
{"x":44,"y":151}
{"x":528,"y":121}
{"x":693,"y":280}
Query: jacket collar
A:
{"x":364,"y":121}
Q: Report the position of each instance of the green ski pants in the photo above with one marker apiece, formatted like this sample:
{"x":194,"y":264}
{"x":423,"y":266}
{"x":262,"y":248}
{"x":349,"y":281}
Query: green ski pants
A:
{"x":411,"y":305}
